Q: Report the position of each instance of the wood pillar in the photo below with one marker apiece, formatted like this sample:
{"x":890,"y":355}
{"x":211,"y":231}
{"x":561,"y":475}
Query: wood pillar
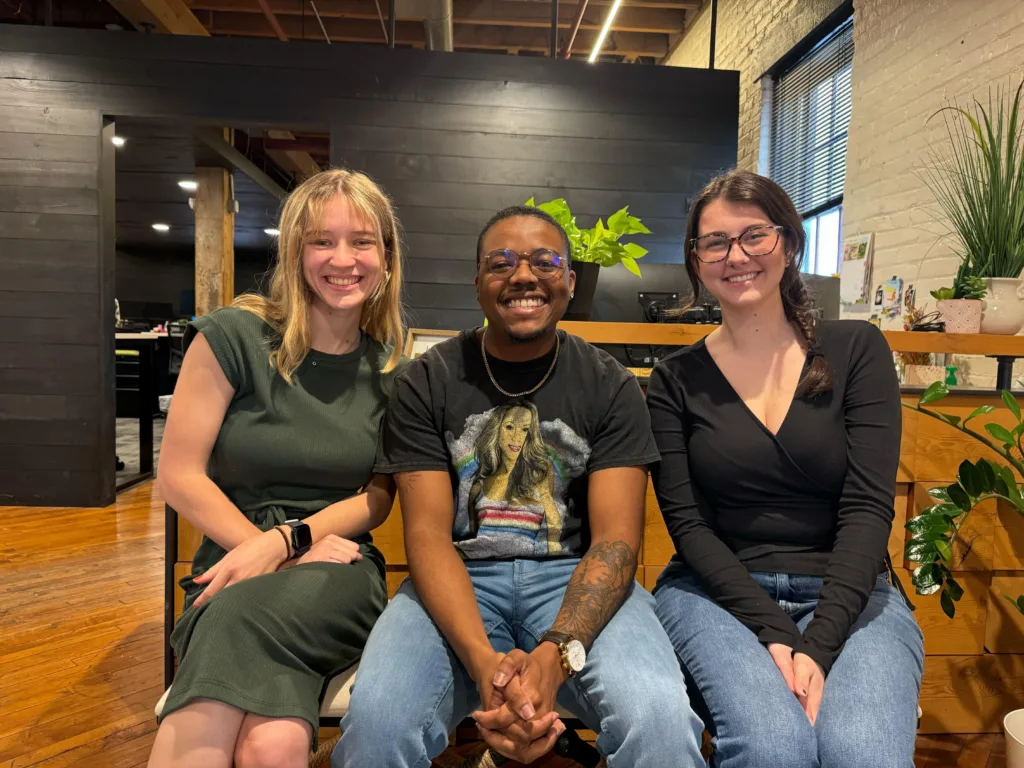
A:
{"x":215,"y":240}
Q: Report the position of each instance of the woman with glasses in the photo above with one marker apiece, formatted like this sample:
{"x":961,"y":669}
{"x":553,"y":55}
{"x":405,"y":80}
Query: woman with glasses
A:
{"x":779,"y":439}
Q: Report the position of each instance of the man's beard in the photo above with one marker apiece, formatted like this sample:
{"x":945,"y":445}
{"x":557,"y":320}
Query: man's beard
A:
{"x":528,"y":338}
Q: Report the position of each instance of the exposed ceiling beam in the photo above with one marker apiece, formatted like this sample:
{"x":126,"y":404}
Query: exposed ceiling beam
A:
{"x":167,"y":16}
{"x":296,"y":160}
{"x":214,"y":139}
{"x":361,"y":9}
{"x":467,"y":37}
{"x":272,"y":20}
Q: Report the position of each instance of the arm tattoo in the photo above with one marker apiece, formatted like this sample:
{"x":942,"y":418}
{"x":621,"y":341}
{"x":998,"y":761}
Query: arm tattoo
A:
{"x":598,"y":587}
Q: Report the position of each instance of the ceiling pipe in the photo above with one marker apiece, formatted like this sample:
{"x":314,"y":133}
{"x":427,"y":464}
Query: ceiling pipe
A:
{"x":581,"y":8}
{"x":437,"y":21}
{"x":554,"y":28}
{"x":274,"y":23}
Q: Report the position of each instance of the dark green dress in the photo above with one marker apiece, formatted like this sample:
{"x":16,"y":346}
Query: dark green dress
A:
{"x":285,"y":451}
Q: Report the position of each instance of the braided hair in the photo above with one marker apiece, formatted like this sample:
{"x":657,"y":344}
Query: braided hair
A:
{"x":738,"y":186}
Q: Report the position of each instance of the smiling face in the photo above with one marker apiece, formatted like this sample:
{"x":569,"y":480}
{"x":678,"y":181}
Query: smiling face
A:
{"x":513,"y":433}
{"x":341,"y":261}
{"x":522,"y":306}
{"x":740,"y":281}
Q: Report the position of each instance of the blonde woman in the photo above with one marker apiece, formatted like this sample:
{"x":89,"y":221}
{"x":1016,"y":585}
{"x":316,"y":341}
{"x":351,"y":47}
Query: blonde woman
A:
{"x":269,"y":451}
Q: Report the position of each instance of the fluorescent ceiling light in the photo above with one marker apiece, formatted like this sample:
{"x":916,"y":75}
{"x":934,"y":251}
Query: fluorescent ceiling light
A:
{"x":117,"y":141}
{"x":161,"y":227}
{"x":188,"y":186}
{"x":273,"y":232}
{"x":604,"y":31}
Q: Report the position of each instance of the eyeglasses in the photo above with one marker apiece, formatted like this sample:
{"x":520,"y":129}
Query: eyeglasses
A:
{"x":545,"y":264}
{"x":756,"y":241}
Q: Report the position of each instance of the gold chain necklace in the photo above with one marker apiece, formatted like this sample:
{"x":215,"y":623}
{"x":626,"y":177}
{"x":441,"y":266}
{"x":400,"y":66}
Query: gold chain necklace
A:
{"x":497,"y":386}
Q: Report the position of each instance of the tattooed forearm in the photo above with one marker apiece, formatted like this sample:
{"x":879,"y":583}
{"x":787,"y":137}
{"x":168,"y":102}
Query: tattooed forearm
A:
{"x":598,"y":587}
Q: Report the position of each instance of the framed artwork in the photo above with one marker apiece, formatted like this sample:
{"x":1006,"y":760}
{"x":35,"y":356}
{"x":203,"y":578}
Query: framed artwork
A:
{"x":419,"y":340}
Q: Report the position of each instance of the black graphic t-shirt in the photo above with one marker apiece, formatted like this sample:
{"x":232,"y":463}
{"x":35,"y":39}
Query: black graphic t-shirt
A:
{"x":519,"y":466}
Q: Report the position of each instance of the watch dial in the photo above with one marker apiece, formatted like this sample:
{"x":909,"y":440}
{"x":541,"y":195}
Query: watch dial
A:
{"x":576,"y":655}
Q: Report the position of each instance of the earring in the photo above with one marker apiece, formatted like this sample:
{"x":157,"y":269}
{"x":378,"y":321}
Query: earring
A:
{"x":572,"y":294}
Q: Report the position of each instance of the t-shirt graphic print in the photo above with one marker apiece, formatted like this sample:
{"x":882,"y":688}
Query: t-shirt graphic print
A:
{"x":519,"y":466}
{"x":514,"y":474}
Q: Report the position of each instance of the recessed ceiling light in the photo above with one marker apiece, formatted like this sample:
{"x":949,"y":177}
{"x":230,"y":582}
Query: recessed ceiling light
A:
{"x":117,"y":141}
{"x":161,"y":227}
{"x":272,"y":231}
{"x":188,"y":186}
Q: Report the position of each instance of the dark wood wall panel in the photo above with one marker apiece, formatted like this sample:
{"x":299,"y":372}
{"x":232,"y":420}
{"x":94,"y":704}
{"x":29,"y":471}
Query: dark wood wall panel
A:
{"x":452,"y":137}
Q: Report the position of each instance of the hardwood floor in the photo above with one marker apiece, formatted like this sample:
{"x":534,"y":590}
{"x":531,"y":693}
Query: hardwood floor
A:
{"x":81,"y":640}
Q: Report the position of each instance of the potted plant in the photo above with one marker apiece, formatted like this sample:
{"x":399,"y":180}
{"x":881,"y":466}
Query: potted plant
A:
{"x":936,"y":529}
{"x":961,"y":305}
{"x":594,"y":248}
{"x":978,"y":180}
{"x":916,"y":368}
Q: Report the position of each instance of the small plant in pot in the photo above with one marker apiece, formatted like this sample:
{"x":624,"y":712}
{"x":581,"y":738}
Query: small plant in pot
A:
{"x":594,"y":248}
{"x":961,"y":305}
{"x":977,"y":178}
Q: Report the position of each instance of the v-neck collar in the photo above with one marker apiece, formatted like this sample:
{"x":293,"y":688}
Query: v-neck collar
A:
{"x":703,"y":348}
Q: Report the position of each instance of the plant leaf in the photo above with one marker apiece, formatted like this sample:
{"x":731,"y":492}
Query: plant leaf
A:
{"x":954,"y":589}
{"x":959,"y":496}
{"x":946,"y":602}
{"x":635,"y":251}
{"x":1000,"y":433}
{"x":1011,"y":402}
{"x":529,"y":203}
{"x":629,"y":264}
{"x":969,"y":477}
{"x":936,"y":391}
{"x":924,"y":575}
{"x":617,"y":221}
{"x":980,"y":411}
{"x":945,"y":551}
{"x":948,"y":418}
{"x":988,"y":475}
{"x":940,"y":494}
{"x":921,"y":552}
{"x":922,"y":524}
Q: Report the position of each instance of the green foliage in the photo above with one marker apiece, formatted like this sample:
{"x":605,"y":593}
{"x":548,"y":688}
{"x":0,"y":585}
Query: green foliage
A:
{"x":965,"y":286}
{"x":599,"y":244}
{"x":934,"y":531}
{"x":977,"y":178}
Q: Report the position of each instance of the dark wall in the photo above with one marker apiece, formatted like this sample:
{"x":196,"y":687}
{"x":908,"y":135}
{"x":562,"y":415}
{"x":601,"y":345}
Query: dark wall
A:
{"x":457,"y":143}
{"x":55,"y":364}
{"x":453,"y":136}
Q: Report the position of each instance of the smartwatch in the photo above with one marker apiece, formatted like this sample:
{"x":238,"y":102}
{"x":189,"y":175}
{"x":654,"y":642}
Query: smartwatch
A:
{"x":302,"y":539}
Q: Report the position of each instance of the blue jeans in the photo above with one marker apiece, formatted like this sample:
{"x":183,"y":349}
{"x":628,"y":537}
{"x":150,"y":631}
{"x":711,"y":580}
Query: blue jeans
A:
{"x":411,"y":690}
{"x":868,"y":714}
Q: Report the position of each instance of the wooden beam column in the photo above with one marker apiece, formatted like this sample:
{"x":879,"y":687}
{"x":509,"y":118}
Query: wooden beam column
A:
{"x":215,"y":240}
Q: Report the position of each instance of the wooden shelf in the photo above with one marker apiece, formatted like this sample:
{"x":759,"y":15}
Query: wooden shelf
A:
{"x":674,"y":334}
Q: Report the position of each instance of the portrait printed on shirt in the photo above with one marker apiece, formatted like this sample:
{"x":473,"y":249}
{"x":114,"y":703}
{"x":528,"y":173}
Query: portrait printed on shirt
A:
{"x":514,"y":472}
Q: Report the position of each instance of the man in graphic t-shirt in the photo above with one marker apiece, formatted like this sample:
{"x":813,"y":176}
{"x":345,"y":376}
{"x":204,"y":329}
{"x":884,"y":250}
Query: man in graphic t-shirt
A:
{"x":520,"y":454}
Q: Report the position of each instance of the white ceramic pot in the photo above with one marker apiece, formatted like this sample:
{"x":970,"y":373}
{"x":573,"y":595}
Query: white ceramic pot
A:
{"x":1013,"y":726}
{"x":961,"y":315}
{"x":1004,"y":310}
{"x":923,"y":375}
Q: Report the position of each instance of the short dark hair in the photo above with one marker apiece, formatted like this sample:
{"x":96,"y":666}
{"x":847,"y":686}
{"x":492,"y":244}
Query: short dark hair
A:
{"x":514,"y":211}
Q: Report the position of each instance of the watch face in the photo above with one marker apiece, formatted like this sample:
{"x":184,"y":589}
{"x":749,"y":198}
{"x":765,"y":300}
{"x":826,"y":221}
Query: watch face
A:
{"x":302,"y":539}
{"x":576,"y":655}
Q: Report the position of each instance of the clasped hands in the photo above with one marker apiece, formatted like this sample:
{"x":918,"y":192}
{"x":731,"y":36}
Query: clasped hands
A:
{"x":517,"y":694}
{"x":803,"y":676}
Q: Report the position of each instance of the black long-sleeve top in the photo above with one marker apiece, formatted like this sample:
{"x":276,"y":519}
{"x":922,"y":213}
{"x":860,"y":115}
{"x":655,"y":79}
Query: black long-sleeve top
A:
{"x":814,"y":499}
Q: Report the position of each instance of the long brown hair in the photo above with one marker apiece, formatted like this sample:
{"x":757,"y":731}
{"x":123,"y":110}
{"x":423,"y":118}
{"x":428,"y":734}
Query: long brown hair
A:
{"x":286,"y":310}
{"x":738,"y":186}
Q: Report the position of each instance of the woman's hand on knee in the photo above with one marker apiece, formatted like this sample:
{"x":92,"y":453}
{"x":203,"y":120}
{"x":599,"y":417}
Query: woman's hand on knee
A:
{"x":332,"y":549}
{"x":253,"y":557}
{"x":782,"y":655}
{"x":810,"y":684}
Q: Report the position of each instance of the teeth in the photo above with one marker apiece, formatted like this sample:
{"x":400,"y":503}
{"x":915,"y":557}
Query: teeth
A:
{"x":741,"y":278}
{"x":342,"y":280}
{"x":524,"y":303}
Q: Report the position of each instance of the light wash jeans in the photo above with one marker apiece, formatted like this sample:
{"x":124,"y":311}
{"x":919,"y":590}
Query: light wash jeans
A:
{"x":868,"y":714}
{"x":411,"y":690}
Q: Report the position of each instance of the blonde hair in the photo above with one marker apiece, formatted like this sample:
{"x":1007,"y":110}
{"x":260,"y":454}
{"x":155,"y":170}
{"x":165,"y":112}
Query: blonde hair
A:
{"x":287,"y":308}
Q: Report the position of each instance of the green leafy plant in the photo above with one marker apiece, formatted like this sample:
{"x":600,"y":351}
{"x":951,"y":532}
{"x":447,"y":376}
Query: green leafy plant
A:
{"x":934,"y":531}
{"x":965,"y":286}
{"x":599,"y":244}
{"x":978,"y":181}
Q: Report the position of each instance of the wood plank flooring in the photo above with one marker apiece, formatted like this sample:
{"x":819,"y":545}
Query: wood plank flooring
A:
{"x":81,"y":640}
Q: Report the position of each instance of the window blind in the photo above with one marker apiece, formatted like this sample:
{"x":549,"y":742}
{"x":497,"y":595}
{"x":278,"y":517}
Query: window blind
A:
{"x":810,"y":116}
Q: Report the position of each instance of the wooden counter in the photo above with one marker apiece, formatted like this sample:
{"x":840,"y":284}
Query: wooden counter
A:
{"x":974,"y":670}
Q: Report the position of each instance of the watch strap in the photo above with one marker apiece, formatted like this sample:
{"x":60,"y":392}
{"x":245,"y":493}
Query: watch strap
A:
{"x":558,"y":638}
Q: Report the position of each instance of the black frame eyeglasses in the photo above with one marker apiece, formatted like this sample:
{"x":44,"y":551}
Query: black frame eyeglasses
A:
{"x":753,"y":241}
{"x":545,"y":264}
